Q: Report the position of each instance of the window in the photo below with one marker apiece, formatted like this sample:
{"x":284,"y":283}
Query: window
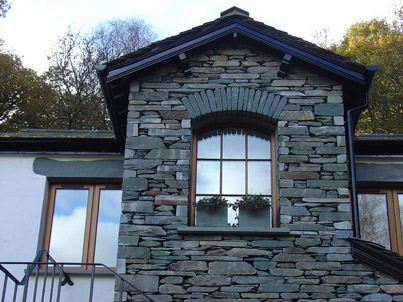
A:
{"x":232,"y":163}
{"x":381,"y":217}
{"x":82,"y":223}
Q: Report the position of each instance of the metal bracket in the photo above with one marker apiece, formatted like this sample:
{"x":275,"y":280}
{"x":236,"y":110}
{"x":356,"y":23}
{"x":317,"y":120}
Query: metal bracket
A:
{"x":184,"y":65}
{"x":285,"y":64}
{"x":235,"y":39}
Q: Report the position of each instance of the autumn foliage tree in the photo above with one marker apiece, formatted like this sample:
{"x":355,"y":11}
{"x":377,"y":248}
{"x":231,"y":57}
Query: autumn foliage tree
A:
{"x":26,"y":100}
{"x":68,"y":94}
{"x":378,"y":42}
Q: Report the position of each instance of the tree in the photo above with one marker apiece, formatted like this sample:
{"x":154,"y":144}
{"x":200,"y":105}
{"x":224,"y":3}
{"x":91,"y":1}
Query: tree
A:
{"x":378,"y":42}
{"x":25,"y":98}
{"x":4,"y":8}
{"x":121,"y":36}
{"x":71,"y":72}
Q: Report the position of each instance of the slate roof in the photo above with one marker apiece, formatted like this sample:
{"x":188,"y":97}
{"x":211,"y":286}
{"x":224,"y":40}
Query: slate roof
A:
{"x":222,"y":22}
{"x":115,"y":75}
{"x":378,"y":256}
{"x":55,"y":140}
{"x":378,"y":144}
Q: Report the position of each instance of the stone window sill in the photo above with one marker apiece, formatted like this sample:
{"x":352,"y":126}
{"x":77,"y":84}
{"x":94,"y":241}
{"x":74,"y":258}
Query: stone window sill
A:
{"x":192,"y":230}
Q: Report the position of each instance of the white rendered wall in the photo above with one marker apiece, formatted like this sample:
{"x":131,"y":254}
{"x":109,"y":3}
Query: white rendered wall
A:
{"x":21,"y":203}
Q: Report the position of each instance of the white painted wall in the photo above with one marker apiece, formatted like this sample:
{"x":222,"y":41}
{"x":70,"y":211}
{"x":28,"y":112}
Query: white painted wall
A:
{"x":23,"y":196}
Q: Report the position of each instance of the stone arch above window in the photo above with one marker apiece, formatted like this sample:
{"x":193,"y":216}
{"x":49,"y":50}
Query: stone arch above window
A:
{"x":246,"y":100}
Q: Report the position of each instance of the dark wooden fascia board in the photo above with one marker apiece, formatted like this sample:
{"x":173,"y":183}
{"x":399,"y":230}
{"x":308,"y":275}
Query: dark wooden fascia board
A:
{"x":92,"y":145}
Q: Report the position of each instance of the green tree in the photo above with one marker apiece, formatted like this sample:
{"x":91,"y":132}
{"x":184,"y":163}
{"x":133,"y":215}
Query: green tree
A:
{"x":71,"y":71}
{"x":25,"y":99}
{"x":378,"y":42}
{"x":71,"y":74}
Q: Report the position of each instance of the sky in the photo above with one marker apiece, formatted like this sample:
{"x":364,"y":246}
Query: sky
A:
{"x":31,"y":28}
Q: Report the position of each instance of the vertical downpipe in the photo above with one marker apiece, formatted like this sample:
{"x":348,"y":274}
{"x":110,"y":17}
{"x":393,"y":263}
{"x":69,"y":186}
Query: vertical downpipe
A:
{"x":353,"y":175}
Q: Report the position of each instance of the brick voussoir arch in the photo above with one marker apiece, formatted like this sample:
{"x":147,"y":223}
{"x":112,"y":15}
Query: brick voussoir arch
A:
{"x":246,"y":100}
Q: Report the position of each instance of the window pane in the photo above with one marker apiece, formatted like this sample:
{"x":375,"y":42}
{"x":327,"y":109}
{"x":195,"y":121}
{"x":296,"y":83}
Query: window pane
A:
{"x":208,"y":145}
{"x":108,"y":227}
{"x":233,"y":177}
{"x":208,"y":177}
{"x":258,"y":145}
{"x":68,"y":227}
{"x":234,"y":143}
{"x":232,"y":214}
{"x":374,"y":218}
{"x":259,"y":177}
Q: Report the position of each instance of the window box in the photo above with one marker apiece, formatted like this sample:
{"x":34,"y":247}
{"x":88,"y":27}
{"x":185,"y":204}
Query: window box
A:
{"x":250,"y":219}
{"x":210,"y":217}
{"x":254,"y":211}
{"x":212,"y":211}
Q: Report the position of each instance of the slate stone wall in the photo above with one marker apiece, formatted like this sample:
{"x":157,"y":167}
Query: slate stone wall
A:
{"x":308,"y":264}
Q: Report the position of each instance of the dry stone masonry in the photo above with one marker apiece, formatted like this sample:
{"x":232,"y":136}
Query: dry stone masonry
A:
{"x":307,"y":264}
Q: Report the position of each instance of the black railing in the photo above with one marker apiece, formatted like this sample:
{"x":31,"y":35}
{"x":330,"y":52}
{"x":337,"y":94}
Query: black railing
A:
{"x":48,"y":277}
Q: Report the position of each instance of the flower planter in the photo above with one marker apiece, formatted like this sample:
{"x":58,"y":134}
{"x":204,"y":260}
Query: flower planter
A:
{"x":212,"y":218}
{"x":250,"y":219}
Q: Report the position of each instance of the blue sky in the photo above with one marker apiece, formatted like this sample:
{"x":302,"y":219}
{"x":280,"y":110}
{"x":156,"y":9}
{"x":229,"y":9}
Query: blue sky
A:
{"x":32,"y":28}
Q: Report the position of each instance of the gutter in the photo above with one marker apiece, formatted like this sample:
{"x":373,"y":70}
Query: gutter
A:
{"x":350,"y":131}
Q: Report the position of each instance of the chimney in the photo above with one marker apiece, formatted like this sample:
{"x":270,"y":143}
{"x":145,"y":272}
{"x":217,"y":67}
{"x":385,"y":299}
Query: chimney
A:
{"x":234,"y":11}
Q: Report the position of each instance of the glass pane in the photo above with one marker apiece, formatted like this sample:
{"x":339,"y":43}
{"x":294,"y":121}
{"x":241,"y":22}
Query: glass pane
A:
{"x":208,"y":145}
{"x":259,"y":177}
{"x":400,"y":197}
{"x":374,"y":218}
{"x":208,"y":177}
{"x":258,"y":145}
{"x":232,"y":214}
{"x":234,"y":143}
{"x":68,"y":227}
{"x":108,"y":227}
{"x":233,"y":177}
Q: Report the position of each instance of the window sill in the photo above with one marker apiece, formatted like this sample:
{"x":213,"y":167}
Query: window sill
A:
{"x":192,"y":230}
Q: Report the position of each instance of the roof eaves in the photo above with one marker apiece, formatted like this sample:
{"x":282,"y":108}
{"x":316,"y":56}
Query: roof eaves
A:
{"x":252,"y":29}
{"x":378,"y":256}
{"x":98,"y":146}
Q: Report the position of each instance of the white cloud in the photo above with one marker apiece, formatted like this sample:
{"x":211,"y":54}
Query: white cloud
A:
{"x":66,"y":243}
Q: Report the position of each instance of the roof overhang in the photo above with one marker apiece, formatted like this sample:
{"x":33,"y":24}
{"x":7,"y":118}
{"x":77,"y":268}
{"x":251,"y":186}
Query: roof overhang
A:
{"x":60,"y":141}
{"x":276,"y":43}
{"x":369,"y":144}
{"x":378,"y":257}
{"x":115,"y":76}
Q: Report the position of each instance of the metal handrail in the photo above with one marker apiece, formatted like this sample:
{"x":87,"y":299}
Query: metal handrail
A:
{"x":38,"y":267}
